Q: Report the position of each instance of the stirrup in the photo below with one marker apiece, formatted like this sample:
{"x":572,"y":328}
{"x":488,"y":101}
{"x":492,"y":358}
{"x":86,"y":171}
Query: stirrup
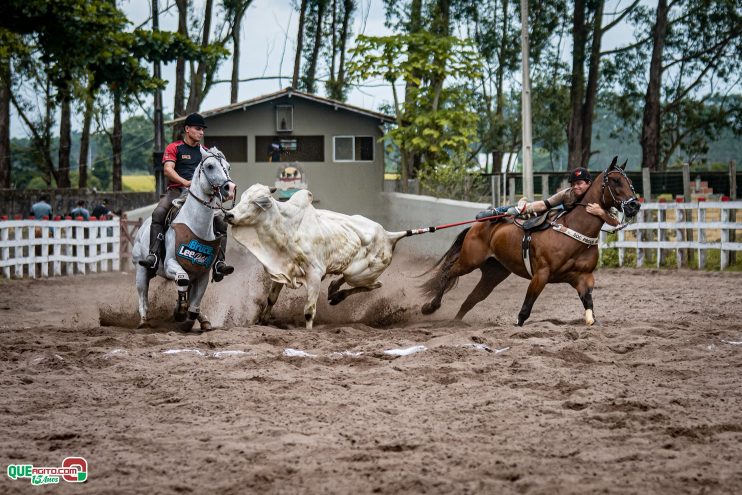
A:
{"x":150,"y":262}
{"x":220,"y":270}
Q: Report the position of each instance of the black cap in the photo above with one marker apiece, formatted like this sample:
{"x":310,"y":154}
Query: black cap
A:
{"x":195,"y":119}
{"x":580,"y":173}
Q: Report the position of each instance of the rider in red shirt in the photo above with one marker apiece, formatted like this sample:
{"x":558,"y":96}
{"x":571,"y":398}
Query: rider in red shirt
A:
{"x":180,"y":161}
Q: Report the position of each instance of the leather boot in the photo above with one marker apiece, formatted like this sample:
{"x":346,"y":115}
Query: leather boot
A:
{"x":221,"y":269}
{"x":156,"y":237}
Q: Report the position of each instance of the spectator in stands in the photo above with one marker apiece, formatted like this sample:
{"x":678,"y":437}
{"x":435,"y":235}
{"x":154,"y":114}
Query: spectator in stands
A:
{"x":42,"y":208}
{"x":102,"y":210}
{"x":81,"y":211}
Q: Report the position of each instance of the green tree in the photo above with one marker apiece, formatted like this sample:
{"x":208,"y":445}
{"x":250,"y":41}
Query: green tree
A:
{"x":434,"y":120}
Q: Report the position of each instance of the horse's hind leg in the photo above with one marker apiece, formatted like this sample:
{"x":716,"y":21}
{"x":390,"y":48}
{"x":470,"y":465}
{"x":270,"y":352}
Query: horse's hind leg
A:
{"x":584,"y":286}
{"x":492,"y":274}
{"x":538,"y":282}
{"x":446,"y":280}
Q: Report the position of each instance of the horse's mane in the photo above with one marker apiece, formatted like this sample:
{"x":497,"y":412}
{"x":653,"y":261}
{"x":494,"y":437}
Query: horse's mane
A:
{"x":216,"y":152}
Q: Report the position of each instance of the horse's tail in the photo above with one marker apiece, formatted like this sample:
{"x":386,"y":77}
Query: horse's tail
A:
{"x":433,"y":285}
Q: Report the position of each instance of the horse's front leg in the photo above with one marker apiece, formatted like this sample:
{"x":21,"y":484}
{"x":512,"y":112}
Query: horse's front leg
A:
{"x":584,"y":286}
{"x":198,"y":289}
{"x":174,"y":271}
{"x":538,"y":282}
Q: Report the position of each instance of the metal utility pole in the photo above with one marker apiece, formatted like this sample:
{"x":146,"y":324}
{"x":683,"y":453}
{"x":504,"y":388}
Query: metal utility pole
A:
{"x":526,"y":104}
{"x":159,"y":127}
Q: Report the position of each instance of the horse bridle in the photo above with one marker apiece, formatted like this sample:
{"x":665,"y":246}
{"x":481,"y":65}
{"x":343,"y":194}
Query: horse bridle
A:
{"x":619,"y":204}
{"x":216,"y":190}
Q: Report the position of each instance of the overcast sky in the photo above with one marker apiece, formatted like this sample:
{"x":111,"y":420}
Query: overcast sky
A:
{"x":266,"y":51}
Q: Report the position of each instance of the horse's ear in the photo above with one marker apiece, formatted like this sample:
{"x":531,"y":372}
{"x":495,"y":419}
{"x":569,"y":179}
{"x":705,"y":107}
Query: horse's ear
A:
{"x":613,"y":163}
{"x":623,"y":167}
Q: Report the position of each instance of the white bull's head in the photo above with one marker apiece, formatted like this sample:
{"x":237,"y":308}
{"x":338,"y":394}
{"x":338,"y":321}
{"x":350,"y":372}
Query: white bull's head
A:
{"x":253,"y":202}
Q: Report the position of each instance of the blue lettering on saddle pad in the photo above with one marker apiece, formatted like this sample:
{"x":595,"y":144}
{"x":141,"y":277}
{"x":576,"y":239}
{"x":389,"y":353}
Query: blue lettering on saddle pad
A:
{"x":196,"y":253}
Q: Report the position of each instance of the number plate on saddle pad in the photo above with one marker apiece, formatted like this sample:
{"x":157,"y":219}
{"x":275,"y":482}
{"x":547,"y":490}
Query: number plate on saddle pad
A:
{"x":195,"y":255}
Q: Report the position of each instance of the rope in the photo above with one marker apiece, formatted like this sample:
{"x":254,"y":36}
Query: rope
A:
{"x":425,"y":230}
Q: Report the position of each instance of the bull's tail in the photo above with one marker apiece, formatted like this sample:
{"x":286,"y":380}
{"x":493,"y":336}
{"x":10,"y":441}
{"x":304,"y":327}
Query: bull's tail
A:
{"x":441,"y":282}
{"x":395,"y":237}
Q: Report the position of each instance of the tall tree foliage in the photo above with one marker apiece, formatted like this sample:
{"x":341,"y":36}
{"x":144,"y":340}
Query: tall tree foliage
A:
{"x":436,"y":121}
{"x":340,"y":27}
{"x":676,"y":80}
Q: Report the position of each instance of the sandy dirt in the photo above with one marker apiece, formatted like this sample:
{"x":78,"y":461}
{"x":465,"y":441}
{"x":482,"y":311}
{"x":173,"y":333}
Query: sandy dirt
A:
{"x":647,"y":401}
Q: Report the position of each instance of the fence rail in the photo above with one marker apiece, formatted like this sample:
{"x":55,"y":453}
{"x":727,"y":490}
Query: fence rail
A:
{"x":31,"y":248}
{"x":690,"y":230}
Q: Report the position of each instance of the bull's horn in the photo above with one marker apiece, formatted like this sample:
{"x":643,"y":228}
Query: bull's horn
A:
{"x":272,"y":189}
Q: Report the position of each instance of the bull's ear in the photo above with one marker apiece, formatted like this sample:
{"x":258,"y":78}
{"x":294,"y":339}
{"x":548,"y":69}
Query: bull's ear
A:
{"x":623,"y":167}
{"x":272,"y":189}
{"x":264,"y":202}
{"x":613,"y":163}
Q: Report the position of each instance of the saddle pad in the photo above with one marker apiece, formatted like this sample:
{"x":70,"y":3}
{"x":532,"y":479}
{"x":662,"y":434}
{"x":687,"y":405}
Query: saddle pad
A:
{"x":194,"y":254}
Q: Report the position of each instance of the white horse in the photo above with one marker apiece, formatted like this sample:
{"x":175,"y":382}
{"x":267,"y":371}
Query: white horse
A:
{"x":210,"y":187}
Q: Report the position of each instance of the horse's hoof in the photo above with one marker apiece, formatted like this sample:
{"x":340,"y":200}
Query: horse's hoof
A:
{"x":336,"y":299}
{"x":589,"y":317}
{"x":205,"y":323}
{"x":180,"y":316}
{"x":143,"y":323}
{"x":186,"y":326}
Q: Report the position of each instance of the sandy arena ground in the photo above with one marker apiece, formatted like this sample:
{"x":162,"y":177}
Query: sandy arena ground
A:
{"x":647,"y":401}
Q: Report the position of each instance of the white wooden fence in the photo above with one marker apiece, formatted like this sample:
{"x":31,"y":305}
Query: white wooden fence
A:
{"x":689,"y":228}
{"x":30,"y":248}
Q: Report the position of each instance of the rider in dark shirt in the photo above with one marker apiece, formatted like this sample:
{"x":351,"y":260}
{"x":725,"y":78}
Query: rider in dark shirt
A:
{"x":180,"y":161}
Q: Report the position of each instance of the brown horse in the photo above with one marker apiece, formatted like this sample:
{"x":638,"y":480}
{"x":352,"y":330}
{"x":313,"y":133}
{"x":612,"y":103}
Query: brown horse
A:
{"x":495,"y":248}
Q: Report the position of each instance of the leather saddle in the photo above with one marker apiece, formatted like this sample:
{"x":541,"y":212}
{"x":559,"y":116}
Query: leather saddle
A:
{"x":540,"y":222}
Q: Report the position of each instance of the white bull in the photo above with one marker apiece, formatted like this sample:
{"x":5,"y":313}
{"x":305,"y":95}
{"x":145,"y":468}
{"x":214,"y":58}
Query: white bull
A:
{"x":299,"y":245}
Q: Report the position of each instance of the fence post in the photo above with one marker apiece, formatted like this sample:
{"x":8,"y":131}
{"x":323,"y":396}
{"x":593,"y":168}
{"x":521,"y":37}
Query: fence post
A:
{"x":57,"y":251}
{"x":545,"y":187}
{"x":686,"y":182}
{"x":511,"y":192}
{"x":80,"y":248}
{"x":732,"y":180}
{"x":679,"y":237}
{"x":646,"y":184}
{"x":93,"y":249}
{"x":732,"y":212}
{"x":6,"y":249}
{"x":495,"y":185}
{"x":45,"y":251}
{"x":724,"y":238}
{"x":18,"y":251}
{"x":639,"y":238}
{"x":661,"y":234}
{"x":701,"y":234}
